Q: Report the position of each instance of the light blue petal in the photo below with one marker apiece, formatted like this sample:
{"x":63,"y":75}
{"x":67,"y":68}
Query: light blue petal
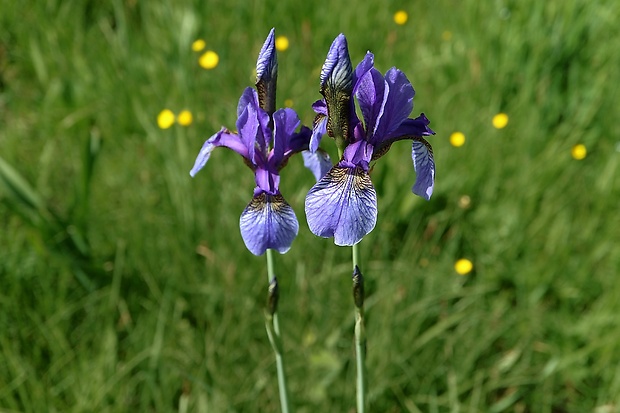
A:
{"x":319,"y":128}
{"x":343,"y":205}
{"x":268,"y":222}
{"x":318,"y":162}
{"x":424,"y":165}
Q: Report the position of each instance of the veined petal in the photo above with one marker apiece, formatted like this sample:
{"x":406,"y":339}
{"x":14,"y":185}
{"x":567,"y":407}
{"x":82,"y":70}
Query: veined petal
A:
{"x":343,"y":205}
{"x":268,"y":222}
{"x":318,"y":162}
{"x":424,"y":165}
{"x":396,"y":107}
{"x":337,"y":69}
{"x":337,"y":87}
{"x":267,"y":74}
{"x":223,"y":138}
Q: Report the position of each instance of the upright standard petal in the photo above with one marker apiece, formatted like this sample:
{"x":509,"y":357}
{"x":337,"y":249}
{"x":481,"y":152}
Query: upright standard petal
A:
{"x":371,"y":95}
{"x":267,"y":74}
{"x":285,"y":121}
{"x":343,"y":205}
{"x":424,"y":166}
{"x":223,"y":138}
{"x":337,"y":87}
{"x":397,"y":105}
{"x":268,"y":222}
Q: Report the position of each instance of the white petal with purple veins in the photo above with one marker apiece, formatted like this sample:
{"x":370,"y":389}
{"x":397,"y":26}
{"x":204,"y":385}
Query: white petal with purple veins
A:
{"x":268,"y":222}
{"x":424,"y":166}
{"x":343,"y":205}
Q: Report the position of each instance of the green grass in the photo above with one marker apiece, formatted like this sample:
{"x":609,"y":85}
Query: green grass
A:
{"x":126,"y":285}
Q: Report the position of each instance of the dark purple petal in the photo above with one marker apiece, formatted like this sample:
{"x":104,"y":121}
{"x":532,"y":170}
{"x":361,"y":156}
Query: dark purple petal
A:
{"x":298,"y":142}
{"x":248,"y":96}
{"x":267,"y":74}
{"x":424,"y":165}
{"x":357,"y":154}
{"x":362,"y":68}
{"x":253,"y":127}
{"x":267,"y":180}
{"x":318,"y":162}
{"x":412,"y":127}
{"x":343,"y":205}
{"x":268,"y":222}
{"x":320,"y":107}
{"x":285,"y":121}
{"x":248,"y":127}
{"x":371,"y":95}
{"x":397,"y":106}
{"x":223,"y":138}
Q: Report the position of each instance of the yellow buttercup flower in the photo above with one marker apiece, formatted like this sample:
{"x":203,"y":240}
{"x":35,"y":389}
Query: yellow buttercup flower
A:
{"x":185,"y":118}
{"x":165,"y":119}
{"x":198,"y":45}
{"x":579,"y":151}
{"x":288,"y":103}
{"x":463,"y":266}
{"x":282,"y":43}
{"x":457,"y":139}
{"x":209,"y":59}
{"x":446,"y":35}
{"x":400,"y":17}
{"x":500,"y":120}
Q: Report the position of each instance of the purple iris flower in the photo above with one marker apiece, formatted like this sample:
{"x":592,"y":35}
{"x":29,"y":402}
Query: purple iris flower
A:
{"x":343,"y":204}
{"x":265,"y":139}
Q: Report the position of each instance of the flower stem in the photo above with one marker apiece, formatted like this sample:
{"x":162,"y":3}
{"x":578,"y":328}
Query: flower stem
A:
{"x":273,"y":332}
{"x":360,"y":332}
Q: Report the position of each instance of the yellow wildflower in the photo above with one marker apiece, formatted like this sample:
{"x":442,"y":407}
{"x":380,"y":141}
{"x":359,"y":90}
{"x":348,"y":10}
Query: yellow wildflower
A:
{"x":185,"y":118}
{"x":500,"y":120}
{"x":281,"y":43}
{"x":457,"y":139}
{"x":198,"y":45}
{"x":463,"y":266}
{"x":579,"y":151}
{"x":165,"y":119}
{"x":209,"y":59}
{"x":288,"y":103}
{"x":400,"y":17}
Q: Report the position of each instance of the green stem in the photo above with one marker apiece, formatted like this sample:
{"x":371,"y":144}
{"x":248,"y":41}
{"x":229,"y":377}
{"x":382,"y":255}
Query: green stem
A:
{"x":275,"y":338}
{"x":360,"y":332}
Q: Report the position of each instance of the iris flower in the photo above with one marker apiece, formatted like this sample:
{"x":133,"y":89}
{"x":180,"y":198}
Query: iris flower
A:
{"x":343,"y":204}
{"x":265,"y":139}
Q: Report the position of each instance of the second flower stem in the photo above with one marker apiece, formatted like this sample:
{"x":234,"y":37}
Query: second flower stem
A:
{"x":273,"y":332}
{"x":360,"y":332}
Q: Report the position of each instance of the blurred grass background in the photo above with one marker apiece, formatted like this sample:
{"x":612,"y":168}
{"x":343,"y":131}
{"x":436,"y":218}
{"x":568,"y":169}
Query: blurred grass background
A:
{"x":126,"y":285}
